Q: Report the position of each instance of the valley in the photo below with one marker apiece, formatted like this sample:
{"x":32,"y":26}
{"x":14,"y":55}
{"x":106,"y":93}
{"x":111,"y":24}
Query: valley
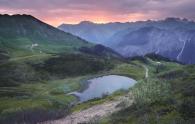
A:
{"x":48,"y":95}
{"x":41,"y":66}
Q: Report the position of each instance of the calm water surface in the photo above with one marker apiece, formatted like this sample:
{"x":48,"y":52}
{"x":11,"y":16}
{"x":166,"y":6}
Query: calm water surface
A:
{"x":104,"y":85}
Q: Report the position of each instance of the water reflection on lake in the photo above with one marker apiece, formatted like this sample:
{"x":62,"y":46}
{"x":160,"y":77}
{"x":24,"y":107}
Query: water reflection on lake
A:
{"x":104,"y":85}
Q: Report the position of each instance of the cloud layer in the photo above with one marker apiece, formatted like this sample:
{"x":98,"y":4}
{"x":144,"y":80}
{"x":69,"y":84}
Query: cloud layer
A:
{"x":56,"y":12}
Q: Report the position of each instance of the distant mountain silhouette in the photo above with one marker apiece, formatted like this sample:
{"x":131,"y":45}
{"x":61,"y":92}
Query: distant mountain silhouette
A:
{"x":165,"y":37}
{"x":96,"y":33}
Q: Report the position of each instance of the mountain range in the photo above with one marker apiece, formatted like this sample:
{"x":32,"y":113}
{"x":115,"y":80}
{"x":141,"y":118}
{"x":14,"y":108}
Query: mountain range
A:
{"x":41,"y":66}
{"x":24,"y":35}
{"x":173,"y":37}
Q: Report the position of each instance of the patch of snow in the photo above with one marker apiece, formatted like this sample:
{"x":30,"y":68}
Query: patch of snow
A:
{"x":158,"y":51}
{"x":179,"y":55}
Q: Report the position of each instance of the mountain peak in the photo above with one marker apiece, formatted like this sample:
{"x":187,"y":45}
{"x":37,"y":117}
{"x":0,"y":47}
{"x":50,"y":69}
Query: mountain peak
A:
{"x":17,"y":15}
{"x":86,"y":22}
{"x":173,"y":19}
{"x":25,"y":31}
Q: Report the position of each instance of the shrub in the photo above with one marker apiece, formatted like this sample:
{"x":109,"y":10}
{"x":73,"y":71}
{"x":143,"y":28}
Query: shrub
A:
{"x":150,"y":91}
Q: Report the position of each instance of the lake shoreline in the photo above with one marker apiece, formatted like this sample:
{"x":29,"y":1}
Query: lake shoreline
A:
{"x":102,"y":88}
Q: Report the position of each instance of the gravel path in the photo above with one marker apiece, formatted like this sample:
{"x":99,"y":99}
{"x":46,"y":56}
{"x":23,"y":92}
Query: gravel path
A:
{"x":91,"y":114}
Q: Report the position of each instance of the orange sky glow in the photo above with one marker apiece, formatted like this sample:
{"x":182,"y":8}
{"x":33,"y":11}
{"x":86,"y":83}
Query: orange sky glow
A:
{"x":56,"y":12}
{"x":95,"y":17}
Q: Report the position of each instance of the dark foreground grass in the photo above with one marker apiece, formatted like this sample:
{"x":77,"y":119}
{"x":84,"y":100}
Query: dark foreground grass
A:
{"x":30,"y":93}
{"x":164,"y":97}
{"x":26,"y":102}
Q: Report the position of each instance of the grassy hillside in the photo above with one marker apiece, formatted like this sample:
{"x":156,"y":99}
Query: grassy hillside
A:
{"x":40,"y":64}
{"x":39,"y":85}
{"x":22,"y":35}
{"x":165,"y":97}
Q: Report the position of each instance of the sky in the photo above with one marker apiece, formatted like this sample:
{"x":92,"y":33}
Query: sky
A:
{"x":56,"y":12}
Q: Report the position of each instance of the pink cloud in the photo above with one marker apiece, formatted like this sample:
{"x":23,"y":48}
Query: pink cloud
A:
{"x":56,"y":12}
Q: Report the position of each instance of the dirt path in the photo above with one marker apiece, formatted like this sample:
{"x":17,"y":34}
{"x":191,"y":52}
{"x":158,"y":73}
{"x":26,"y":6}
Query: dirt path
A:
{"x":91,"y":114}
{"x":146,"y":71}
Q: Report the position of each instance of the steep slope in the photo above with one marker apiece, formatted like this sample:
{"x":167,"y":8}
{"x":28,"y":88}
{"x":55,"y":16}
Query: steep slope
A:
{"x":149,"y":40}
{"x":187,"y":53}
{"x":101,"y":51}
{"x":31,"y":50}
{"x":96,"y":33}
{"x":169,"y":43}
{"x":24,"y":34}
{"x":40,"y":64}
{"x":165,"y":37}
